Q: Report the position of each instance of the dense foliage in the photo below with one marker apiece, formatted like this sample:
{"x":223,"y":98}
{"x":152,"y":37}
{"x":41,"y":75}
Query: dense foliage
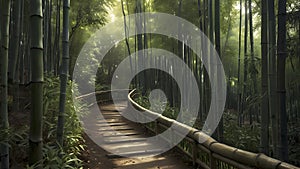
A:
{"x":257,"y":41}
{"x":74,"y":143}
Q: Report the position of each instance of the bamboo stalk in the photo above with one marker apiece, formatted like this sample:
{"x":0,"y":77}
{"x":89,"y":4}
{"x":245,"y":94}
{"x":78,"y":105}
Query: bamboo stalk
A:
{"x":264,"y":141}
{"x":281,"y":89}
{"x":36,"y":51}
{"x":64,"y":72}
{"x":5,"y":15}
{"x":272,"y":77}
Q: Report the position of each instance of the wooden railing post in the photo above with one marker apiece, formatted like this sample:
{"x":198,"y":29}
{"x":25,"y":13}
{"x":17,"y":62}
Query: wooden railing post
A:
{"x":212,"y":161}
{"x":156,"y":127}
{"x":194,"y":153}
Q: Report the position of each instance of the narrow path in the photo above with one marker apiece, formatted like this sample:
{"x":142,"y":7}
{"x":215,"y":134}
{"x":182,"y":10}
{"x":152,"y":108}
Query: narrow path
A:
{"x":125,"y":136}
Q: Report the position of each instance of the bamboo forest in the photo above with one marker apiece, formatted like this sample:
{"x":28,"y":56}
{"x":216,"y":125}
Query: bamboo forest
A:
{"x":150,"y":84}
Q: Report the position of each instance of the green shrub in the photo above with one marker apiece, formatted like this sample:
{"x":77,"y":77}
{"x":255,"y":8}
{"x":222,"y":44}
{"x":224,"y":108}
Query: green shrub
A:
{"x":245,"y":137}
{"x":54,"y":157}
{"x":73,"y":140}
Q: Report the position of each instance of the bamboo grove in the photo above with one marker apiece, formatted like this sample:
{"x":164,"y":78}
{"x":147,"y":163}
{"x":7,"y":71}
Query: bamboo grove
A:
{"x":34,"y":44}
{"x":257,"y":41}
{"x":256,"y":89}
{"x":268,"y":108}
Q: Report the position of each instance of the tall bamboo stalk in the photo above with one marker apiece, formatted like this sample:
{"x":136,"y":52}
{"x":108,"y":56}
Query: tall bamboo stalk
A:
{"x":126,"y":35}
{"x":46,"y":34}
{"x":252,"y":45}
{"x":64,"y":71}
{"x":37,"y":79}
{"x":264,"y":142}
{"x":15,"y":42}
{"x":245,"y":76}
{"x":272,"y":77}
{"x":49,"y":42}
{"x":5,"y":15}
{"x":56,"y":48}
{"x":281,"y":91}
{"x":14,"y":54}
{"x":179,"y":44}
{"x":211,"y":35}
{"x":145,"y":46}
{"x":239,"y":98}
{"x":206,"y":82}
{"x":218,"y":49}
{"x":22,"y":46}
{"x":199,"y":65}
{"x":252,"y":63}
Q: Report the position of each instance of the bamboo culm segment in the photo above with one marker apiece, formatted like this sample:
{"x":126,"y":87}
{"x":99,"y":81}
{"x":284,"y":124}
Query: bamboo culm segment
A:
{"x":36,"y":57}
{"x":64,"y":71}
{"x":5,"y":15}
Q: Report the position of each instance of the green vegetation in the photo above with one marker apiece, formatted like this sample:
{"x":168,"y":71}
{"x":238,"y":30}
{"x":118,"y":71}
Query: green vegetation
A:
{"x":257,"y":42}
{"x":246,"y":137}
{"x":73,"y":140}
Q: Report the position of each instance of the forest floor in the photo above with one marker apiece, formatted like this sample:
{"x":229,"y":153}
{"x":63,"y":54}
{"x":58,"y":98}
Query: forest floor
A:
{"x":97,"y":158}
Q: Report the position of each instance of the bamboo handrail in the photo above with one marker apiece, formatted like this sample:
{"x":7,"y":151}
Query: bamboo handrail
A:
{"x":100,"y":92}
{"x":219,"y":151}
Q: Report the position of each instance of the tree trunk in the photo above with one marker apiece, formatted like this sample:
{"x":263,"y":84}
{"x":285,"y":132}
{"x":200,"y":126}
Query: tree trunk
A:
{"x":139,"y":27}
{"x":264,"y":142}
{"x":252,"y":68}
{"x":206,"y":82}
{"x":64,"y":71}
{"x":145,"y":46}
{"x":22,"y":46}
{"x":253,"y":73}
{"x":272,"y":77}
{"x":46,"y":34}
{"x":126,"y":35}
{"x":179,"y":45}
{"x":281,"y":91}
{"x":49,"y":42}
{"x":5,"y":9}
{"x":15,"y":39}
{"x":14,"y":54}
{"x":220,"y":128}
{"x":36,"y":52}
{"x":199,"y":64}
{"x":227,"y":37}
{"x":56,"y":48}
{"x":211,"y":36}
{"x":244,"y":92}
{"x":239,"y":98}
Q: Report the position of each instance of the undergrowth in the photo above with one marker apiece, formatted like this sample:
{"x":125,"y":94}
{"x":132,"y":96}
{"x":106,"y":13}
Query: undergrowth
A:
{"x":54,"y":157}
{"x":247,"y":136}
{"x":244,"y":137}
